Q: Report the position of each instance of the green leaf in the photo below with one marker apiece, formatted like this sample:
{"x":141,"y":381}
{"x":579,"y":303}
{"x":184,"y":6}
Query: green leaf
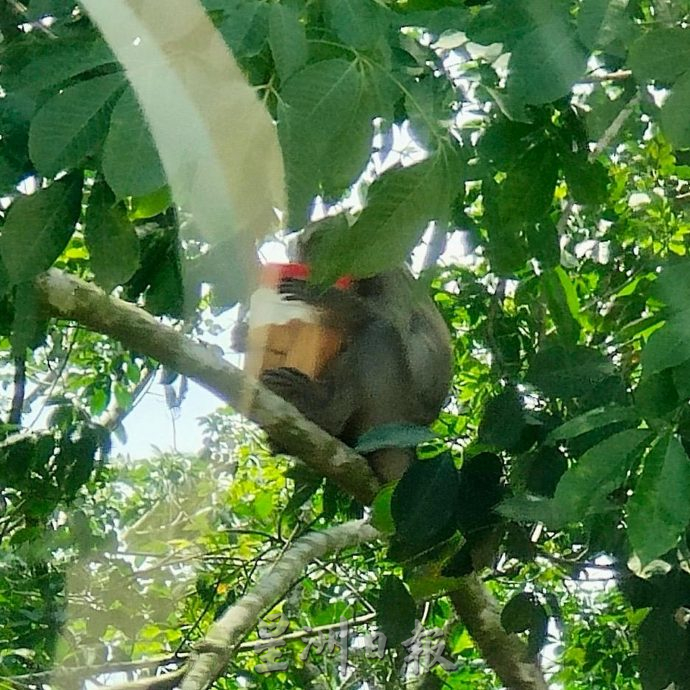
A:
{"x":544,"y":244}
{"x":381,"y":516}
{"x":593,"y":419}
{"x":503,"y":422}
{"x":668,"y":346}
{"x":564,"y":373}
{"x":246,"y":26}
{"x":38,"y":228}
{"x":129,"y":175}
{"x":518,"y":612}
{"x":110,"y":238}
{"x":358,"y":23}
{"x":563,"y":304}
{"x":424,"y":502}
{"x":597,"y":473}
{"x":401,"y":204}
{"x":527,"y":192}
{"x":659,"y":509}
{"x":602,"y":22}
{"x":530,"y":509}
{"x":587,"y":181}
{"x":674,"y":113}
{"x":327,"y":91}
{"x":662,"y":54}
{"x":393,"y":436}
{"x":150,"y":205}
{"x":73,"y":123}
{"x":655,"y":395}
{"x":396,"y":611}
{"x":672,"y":285}
{"x":57,"y":61}
{"x":288,"y":40}
{"x":30,"y":319}
{"x":546,"y":63}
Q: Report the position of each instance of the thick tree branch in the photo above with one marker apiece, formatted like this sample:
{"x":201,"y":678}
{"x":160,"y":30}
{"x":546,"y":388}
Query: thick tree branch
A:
{"x":506,"y":654}
{"x":71,"y":298}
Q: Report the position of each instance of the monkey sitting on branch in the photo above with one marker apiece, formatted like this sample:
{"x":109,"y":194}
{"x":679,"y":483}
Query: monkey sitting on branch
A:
{"x":394,"y":365}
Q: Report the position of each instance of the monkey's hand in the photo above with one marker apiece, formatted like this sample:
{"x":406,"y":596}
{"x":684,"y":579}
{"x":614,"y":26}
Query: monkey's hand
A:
{"x":308,"y":396}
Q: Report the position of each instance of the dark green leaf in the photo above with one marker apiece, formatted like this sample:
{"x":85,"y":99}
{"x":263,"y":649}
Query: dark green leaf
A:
{"x":424,"y":501}
{"x":602,"y":22}
{"x":568,"y":373}
{"x":674,"y":120}
{"x":327,"y":91}
{"x":672,"y":285}
{"x":110,"y":238}
{"x":662,"y":54}
{"x":669,"y":346}
{"x":288,"y":40}
{"x":57,"y":61}
{"x":358,"y":23}
{"x":546,"y":63}
{"x":73,"y":124}
{"x":659,"y":510}
{"x":401,"y":204}
{"x":30,"y":319}
{"x":246,"y":26}
{"x":518,"y":612}
{"x":38,"y":228}
{"x":527,"y":192}
{"x":655,"y":395}
{"x":129,"y":175}
{"x":544,"y":243}
{"x":503,"y":423}
{"x":396,"y":611}
{"x":587,"y":180}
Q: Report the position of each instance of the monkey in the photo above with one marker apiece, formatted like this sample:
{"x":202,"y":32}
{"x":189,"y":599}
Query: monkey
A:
{"x":395,"y":365}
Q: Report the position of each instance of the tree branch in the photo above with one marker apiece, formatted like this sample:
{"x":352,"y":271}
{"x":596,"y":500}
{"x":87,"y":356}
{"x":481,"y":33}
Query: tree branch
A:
{"x":71,"y":298}
{"x":506,"y":654}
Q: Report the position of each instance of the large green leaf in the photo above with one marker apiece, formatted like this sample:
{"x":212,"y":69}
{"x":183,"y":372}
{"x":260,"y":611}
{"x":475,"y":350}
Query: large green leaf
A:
{"x":126,"y":173}
{"x":564,"y":373}
{"x":288,"y":40}
{"x":73,"y":124}
{"x":546,"y":63}
{"x":527,"y":192}
{"x":54,"y":62}
{"x":359,"y":23}
{"x":669,"y":345}
{"x":424,"y":502}
{"x":659,"y":510}
{"x":597,"y":473}
{"x":662,"y":54}
{"x":602,"y":22}
{"x":110,"y":238}
{"x":401,"y":204}
{"x":396,"y":611}
{"x":674,"y":112}
{"x":325,"y":92}
{"x":38,"y":228}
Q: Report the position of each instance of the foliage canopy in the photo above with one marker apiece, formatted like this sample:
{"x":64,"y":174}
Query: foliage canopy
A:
{"x":548,"y":142}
